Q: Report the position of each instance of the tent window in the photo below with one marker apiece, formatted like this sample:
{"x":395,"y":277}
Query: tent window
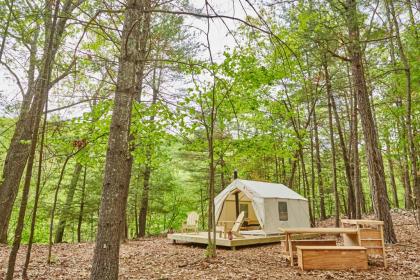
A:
{"x":244,"y":207}
{"x":283,"y":216}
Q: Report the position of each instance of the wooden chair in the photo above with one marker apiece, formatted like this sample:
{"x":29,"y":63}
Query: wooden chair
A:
{"x":237,"y":225}
{"x":223,"y":226}
{"x":191,"y":224}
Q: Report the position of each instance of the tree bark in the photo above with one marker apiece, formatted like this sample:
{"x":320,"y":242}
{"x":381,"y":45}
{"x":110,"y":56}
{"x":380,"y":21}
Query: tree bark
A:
{"x":144,"y":204}
{"x":82,"y":205}
{"x":319,"y":170}
{"x":350,"y":191}
{"x":134,"y":39}
{"x":374,"y":157}
{"x":333,"y":155}
{"x":306,"y":185}
{"x":392,"y":173}
{"x":313,"y":175}
{"x":37,"y":194}
{"x":57,"y":189}
{"x":6,"y":28}
{"x":68,"y":204}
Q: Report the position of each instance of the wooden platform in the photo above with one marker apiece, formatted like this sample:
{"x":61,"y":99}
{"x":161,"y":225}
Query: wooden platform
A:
{"x":201,"y":238}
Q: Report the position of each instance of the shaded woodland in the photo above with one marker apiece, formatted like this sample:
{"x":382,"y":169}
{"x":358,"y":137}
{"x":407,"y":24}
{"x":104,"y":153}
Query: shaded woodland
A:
{"x":118,"y":118}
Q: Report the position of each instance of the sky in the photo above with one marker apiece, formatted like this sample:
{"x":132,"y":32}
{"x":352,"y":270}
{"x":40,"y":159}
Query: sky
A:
{"x":10,"y":95}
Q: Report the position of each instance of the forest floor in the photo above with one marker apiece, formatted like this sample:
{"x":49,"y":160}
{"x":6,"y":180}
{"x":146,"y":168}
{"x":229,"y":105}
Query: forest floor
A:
{"x":157,"y":258}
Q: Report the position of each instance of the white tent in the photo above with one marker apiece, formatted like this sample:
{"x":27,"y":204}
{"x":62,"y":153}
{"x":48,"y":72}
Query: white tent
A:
{"x":268,"y":206}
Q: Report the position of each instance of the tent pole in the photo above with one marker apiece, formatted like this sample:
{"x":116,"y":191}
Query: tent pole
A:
{"x":237,"y":204}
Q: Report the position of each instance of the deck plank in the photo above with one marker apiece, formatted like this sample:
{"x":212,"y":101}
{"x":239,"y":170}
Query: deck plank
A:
{"x":201,"y":238}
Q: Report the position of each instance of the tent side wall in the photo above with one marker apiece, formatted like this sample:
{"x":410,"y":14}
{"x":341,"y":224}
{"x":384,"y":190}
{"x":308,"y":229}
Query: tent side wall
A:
{"x":297,"y":214}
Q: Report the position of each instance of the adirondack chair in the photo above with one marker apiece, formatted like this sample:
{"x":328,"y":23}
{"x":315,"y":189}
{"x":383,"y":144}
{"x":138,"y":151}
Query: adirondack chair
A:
{"x":191,"y":224}
{"x":222,"y":228}
{"x":237,"y":225}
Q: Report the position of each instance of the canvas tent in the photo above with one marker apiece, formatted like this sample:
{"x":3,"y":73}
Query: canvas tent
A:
{"x":268,"y":206}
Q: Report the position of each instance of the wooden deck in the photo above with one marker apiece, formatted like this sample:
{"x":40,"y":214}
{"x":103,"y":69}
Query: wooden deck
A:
{"x":201,"y":238}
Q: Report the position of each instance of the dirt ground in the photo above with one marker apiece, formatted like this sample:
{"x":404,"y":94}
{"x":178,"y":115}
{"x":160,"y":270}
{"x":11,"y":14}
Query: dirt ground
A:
{"x":157,"y":258}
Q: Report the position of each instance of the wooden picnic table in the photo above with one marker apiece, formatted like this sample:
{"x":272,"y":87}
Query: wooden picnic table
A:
{"x":349,"y":234}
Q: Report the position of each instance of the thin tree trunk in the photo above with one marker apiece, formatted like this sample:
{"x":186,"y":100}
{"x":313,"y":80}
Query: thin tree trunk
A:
{"x":333,"y":155}
{"x":312,"y":195}
{"x":6,"y":28}
{"x":144,"y":204}
{"x":202,"y":208}
{"x":319,"y":171}
{"x":357,"y":182}
{"x":134,"y":39}
{"x":69,"y":201}
{"x":391,"y":173}
{"x":57,"y":189}
{"x":37,"y":191}
{"x":350,"y":192}
{"x":82,"y":206}
{"x":211,"y":250}
{"x":306,"y":185}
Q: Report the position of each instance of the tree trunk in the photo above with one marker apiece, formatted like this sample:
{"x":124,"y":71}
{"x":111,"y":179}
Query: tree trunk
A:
{"x":82,"y":205}
{"x":6,"y":28}
{"x":18,"y":152}
{"x":392,"y":173}
{"x":134,"y":39}
{"x":319,"y":170}
{"x":24,"y":108}
{"x":333,"y":155}
{"x":359,"y":199}
{"x":312,"y":195}
{"x":68,"y":204}
{"x":306,"y":185}
{"x":57,"y":189}
{"x":211,"y":249}
{"x":350,"y":192}
{"x":144,"y":204}
{"x":37,"y":193}
{"x":374,"y":157}
{"x":39,"y":103}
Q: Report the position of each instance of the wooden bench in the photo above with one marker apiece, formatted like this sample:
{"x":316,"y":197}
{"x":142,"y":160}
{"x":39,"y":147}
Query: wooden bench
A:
{"x":308,"y":242}
{"x":348,"y":233}
{"x":332,"y":257}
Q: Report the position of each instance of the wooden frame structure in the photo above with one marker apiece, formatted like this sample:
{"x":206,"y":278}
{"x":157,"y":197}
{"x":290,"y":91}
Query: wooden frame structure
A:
{"x":370,"y":236}
{"x":246,"y":240}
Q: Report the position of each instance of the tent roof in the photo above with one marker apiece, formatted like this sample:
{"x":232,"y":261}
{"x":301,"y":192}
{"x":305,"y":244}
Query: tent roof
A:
{"x":265,"y":190}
